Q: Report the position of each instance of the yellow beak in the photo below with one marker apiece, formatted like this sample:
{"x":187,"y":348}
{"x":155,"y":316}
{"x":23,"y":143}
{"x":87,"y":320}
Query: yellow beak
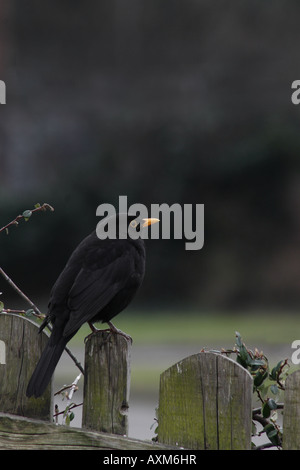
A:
{"x":148,"y":222}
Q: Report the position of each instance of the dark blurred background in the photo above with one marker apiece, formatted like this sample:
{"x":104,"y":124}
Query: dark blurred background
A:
{"x":163,"y":101}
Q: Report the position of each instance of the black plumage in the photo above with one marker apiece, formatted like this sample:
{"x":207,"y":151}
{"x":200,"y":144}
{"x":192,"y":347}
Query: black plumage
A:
{"x":98,"y":282}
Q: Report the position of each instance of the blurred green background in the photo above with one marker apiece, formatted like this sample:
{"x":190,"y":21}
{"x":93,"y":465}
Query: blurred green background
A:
{"x":165,"y":102}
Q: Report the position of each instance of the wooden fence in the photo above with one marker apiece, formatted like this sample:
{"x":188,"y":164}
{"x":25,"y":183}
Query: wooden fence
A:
{"x":205,"y":400}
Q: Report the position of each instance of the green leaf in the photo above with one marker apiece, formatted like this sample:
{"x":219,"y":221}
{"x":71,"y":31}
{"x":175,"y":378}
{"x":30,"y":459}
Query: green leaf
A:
{"x":72,"y":416}
{"x":272,"y":404}
{"x":240,"y":361}
{"x":272,"y":434}
{"x":26,"y":214}
{"x":260,"y":377}
{"x":266,"y":411}
{"x":239,"y":342}
{"x":268,"y":428}
{"x":274,"y":389}
{"x":29,"y":312}
{"x":1,"y":306}
{"x":245,"y":356}
{"x":275,"y":371}
{"x":37,"y":205}
{"x":268,"y":407}
{"x":257,"y":362}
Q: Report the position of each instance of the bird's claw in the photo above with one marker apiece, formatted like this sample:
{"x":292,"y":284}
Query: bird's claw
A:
{"x":112,"y":329}
{"x":94,"y":330}
{"x":115,"y":330}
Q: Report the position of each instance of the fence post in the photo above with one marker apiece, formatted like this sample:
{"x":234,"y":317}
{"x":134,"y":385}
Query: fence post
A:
{"x":291,"y":412}
{"x":205,"y":402}
{"x":106,"y":383}
{"x":20,"y":349}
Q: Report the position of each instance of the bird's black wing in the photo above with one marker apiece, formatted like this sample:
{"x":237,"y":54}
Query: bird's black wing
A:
{"x":93,"y":289}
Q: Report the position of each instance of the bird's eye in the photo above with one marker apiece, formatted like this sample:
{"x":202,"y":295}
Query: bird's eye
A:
{"x":133,"y":224}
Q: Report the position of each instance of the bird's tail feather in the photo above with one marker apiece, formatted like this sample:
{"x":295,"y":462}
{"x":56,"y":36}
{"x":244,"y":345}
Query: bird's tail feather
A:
{"x":45,"y":368}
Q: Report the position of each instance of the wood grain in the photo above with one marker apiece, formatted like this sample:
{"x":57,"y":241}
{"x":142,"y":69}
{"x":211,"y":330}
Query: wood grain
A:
{"x":106,"y":383}
{"x":18,"y":433}
{"x":205,"y":402}
{"x":21,"y":348}
{"x":291,"y":413}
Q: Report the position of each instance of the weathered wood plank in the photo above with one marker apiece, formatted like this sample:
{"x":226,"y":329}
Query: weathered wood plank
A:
{"x":18,"y":433}
{"x":291,"y":412}
{"x":106,"y":383}
{"x":21,"y":348}
{"x":205,"y":403}
{"x":234,"y":401}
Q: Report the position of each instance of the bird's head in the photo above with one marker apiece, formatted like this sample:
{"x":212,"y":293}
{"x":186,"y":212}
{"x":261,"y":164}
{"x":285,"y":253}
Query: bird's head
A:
{"x":124,"y":225}
{"x":137,"y":224}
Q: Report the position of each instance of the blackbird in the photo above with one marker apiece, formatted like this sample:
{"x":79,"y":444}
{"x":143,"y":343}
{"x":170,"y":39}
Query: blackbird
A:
{"x":99,"y":280}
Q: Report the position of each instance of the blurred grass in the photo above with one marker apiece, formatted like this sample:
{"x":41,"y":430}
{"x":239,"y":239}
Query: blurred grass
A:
{"x":168,"y":328}
{"x":178,"y":331}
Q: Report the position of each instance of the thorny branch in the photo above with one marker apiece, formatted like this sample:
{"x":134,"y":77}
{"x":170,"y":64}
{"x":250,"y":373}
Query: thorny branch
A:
{"x":258,"y":365}
{"x":26,"y":214}
{"x":35,"y":310}
{"x":71,"y":388}
{"x":67,"y":392}
{"x":69,"y":408}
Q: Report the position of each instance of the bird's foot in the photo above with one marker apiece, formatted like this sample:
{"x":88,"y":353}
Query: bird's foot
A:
{"x":94,"y":330}
{"x":115,"y":330}
{"x":111,"y":329}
